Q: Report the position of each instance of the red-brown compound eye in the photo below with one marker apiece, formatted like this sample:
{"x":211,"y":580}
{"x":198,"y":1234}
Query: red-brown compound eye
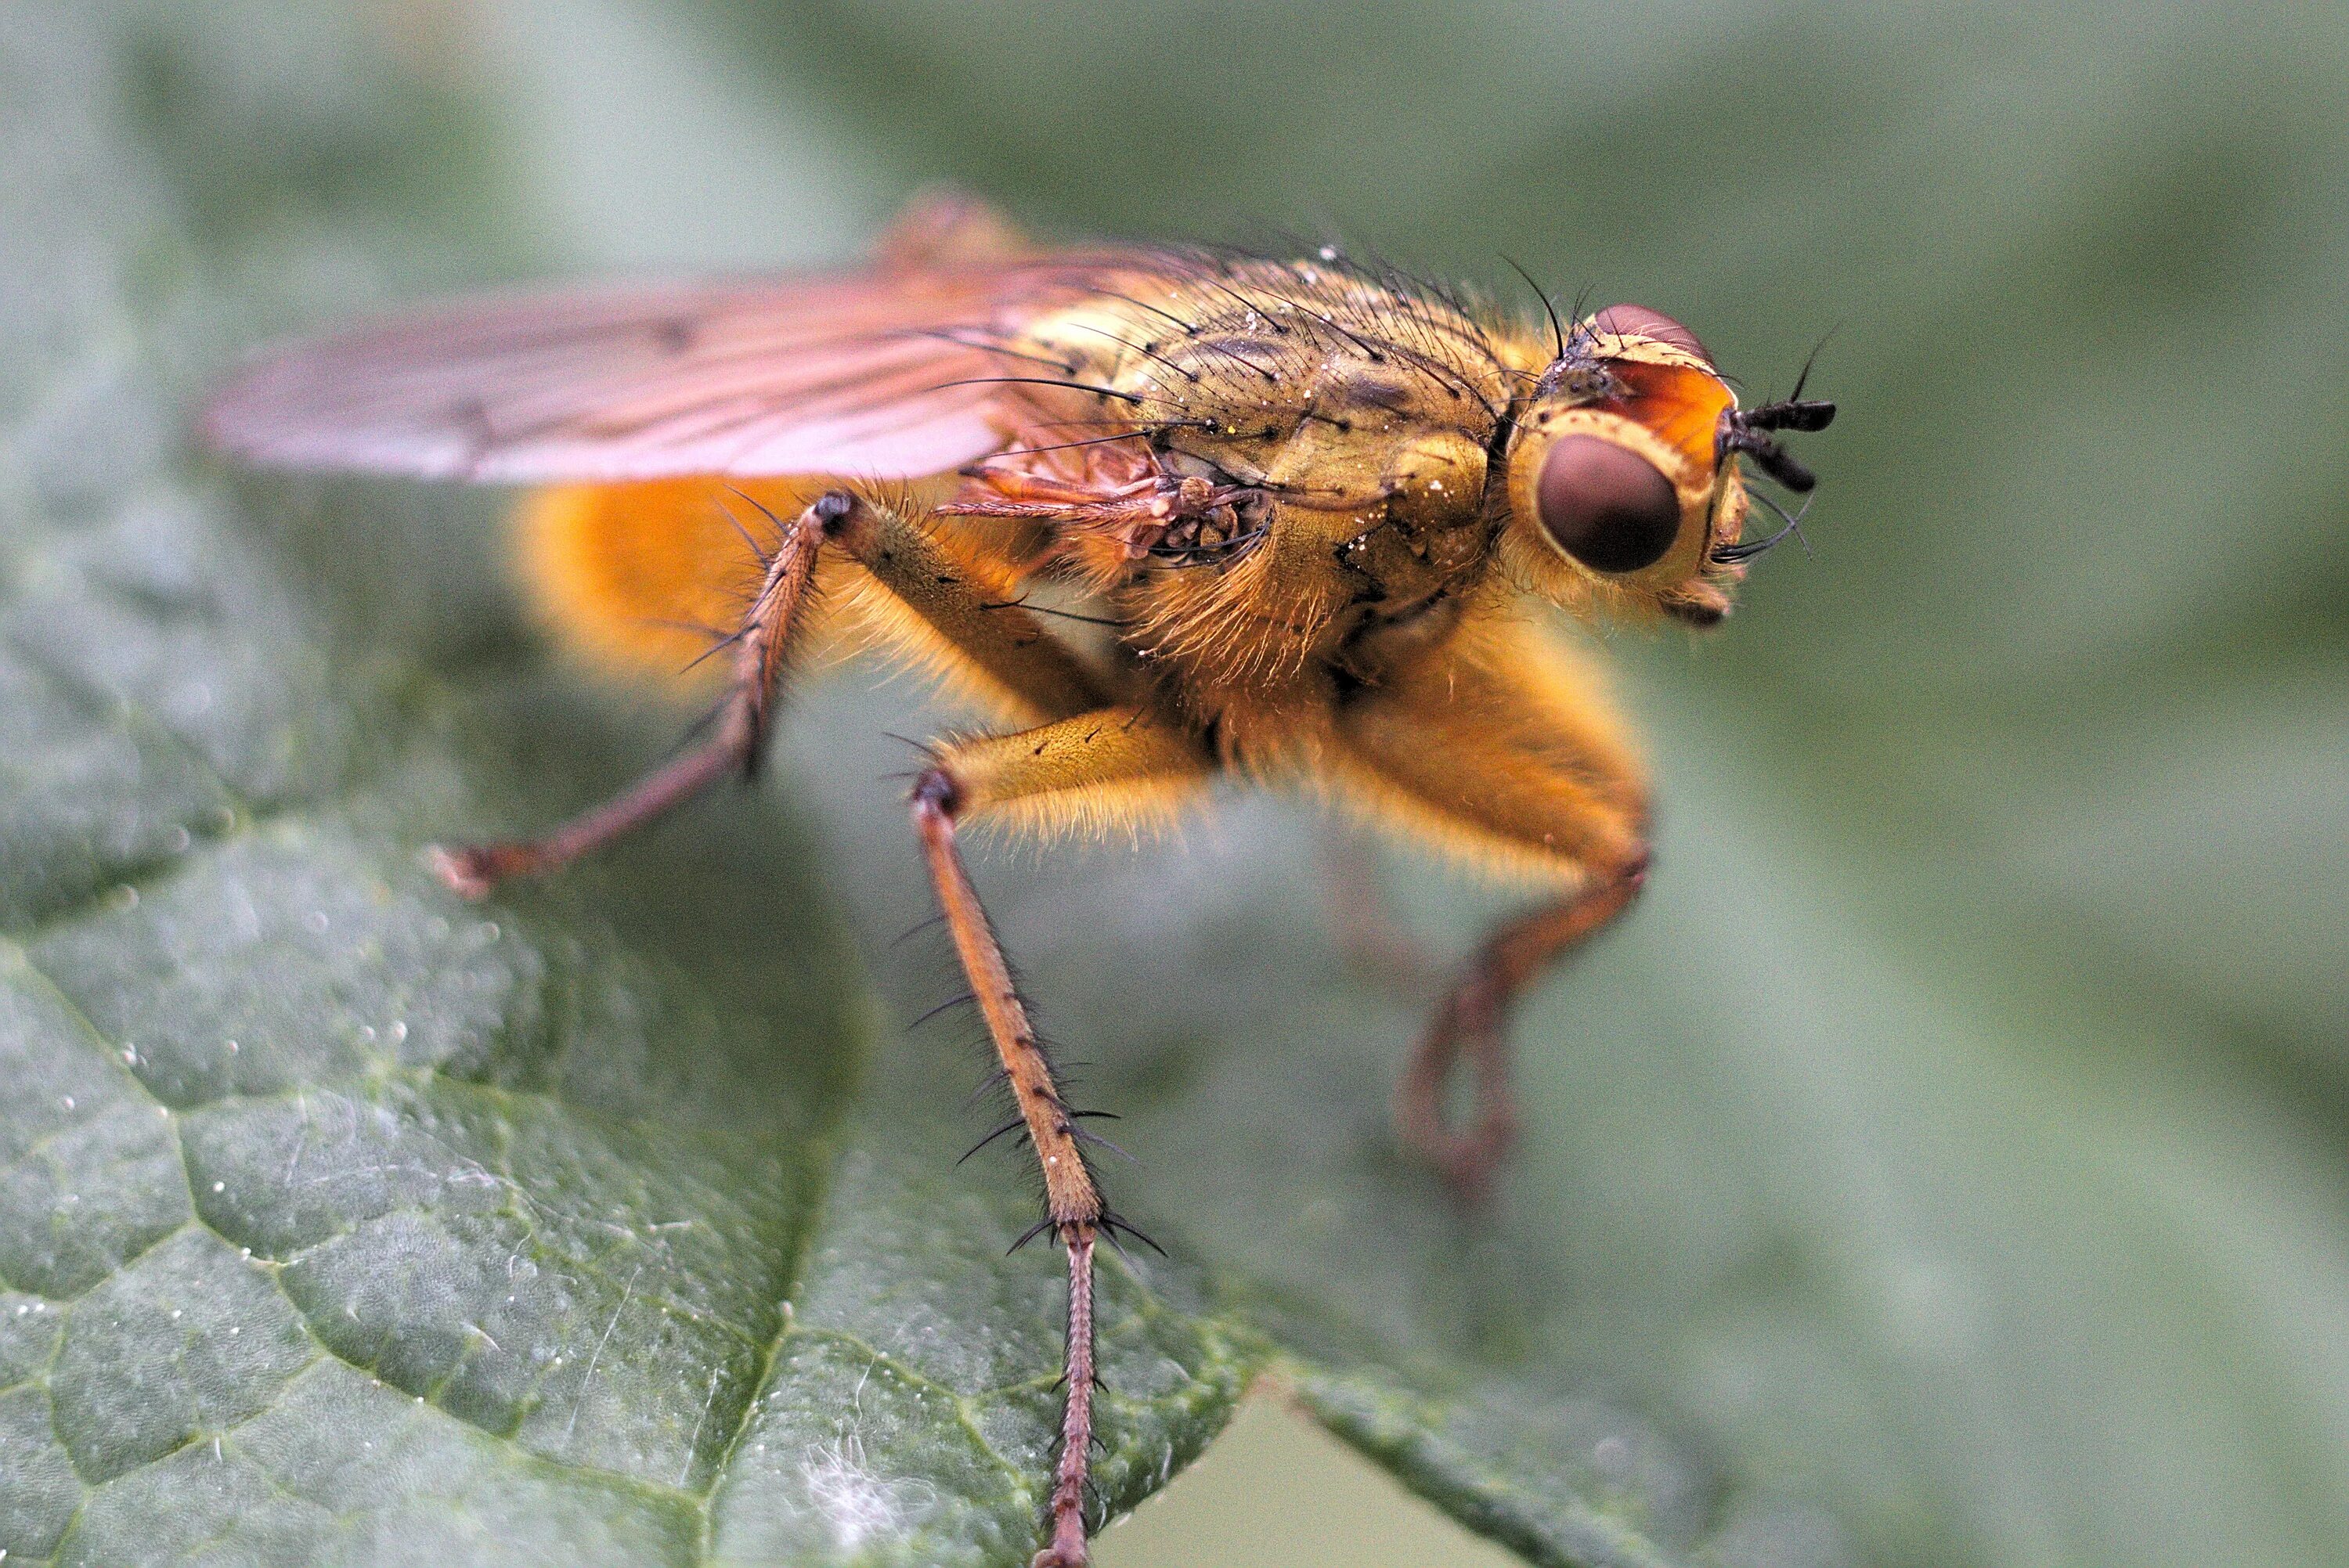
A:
{"x":1605,"y":505}
{"x":1655,"y":324}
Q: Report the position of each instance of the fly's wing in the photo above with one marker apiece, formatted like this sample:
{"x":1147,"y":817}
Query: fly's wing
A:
{"x":894,"y":373}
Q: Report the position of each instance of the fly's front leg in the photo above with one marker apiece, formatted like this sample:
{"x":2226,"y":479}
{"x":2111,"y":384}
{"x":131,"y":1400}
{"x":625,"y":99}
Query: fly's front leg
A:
{"x":1471,"y":1023}
{"x":1497,"y":748}
{"x":733,"y":747}
{"x":1111,"y":760}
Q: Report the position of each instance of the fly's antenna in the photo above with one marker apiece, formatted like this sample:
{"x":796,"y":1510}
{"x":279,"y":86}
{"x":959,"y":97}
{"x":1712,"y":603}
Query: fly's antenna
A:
{"x":1751,"y":431}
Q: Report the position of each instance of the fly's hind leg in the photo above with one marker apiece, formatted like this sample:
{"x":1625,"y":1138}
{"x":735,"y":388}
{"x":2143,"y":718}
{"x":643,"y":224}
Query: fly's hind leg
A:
{"x":1110,"y":763}
{"x":732,"y":746}
{"x":1001,"y":643}
{"x":1497,"y":748}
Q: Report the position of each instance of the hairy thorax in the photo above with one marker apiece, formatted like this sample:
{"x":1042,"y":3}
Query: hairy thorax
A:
{"x":1309,"y":495}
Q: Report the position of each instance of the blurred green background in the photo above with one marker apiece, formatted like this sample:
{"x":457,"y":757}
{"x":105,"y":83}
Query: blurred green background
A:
{"x":1955,"y":1143}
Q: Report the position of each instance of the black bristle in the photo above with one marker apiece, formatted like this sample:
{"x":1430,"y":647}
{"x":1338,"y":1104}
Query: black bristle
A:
{"x":950,"y":1003}
{"x":1015,"y":1123}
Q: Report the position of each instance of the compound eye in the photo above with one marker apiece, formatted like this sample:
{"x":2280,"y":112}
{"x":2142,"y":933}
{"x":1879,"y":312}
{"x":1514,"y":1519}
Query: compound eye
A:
{"x":1605,"y":505}
{"x":1655,"y":324}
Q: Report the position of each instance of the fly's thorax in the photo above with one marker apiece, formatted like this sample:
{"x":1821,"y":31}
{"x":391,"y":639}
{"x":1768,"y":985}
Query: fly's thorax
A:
{"x":1355,"y":531}
{"x":1375,"y":510}
{"x":1361,"y":417}
{"x":1302,"y":369}
{"x":1362,"y":477}
{"x":1337,"y":431}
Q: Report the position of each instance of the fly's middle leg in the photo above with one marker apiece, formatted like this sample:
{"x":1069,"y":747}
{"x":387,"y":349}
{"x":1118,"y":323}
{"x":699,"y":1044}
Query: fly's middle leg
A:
{"x":732,"y":747}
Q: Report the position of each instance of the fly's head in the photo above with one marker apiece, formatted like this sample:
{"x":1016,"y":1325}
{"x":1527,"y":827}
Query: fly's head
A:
{"x":1625,"y":492}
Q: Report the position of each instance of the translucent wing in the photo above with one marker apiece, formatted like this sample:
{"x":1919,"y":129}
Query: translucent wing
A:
{"x":896,"y":372}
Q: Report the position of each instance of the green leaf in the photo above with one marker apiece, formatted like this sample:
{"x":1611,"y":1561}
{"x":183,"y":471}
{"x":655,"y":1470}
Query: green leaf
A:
{"x":1942,"y":1167}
